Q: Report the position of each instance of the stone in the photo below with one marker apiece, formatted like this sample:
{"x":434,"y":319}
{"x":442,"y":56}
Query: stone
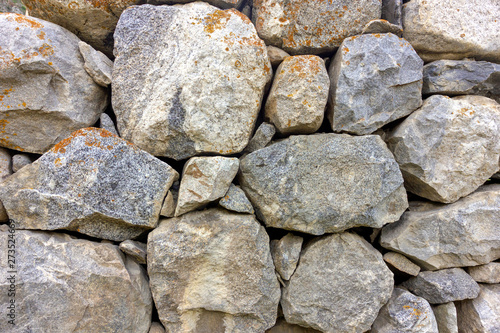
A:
{"x":73,"y":285}
{"x":443,"y":286}
{"x":312,"y":27}
{"x":446,"y":317}
{"x":212,"y":271}
{"x":297,"y":100}
{"x":21,"y":160}
{"x":156,"y":328}
{"x":198,"y":85}
{"x":437,"y":236}
{"x":481,"y":314}
{"x":168,"y":207}
{"x":382,"y":27}
{"x":453,"y":29}
{"x":276,"y":55}
{"x":462,"y":77}
{"x":236,"y":200}
{"x":262,"y":137}
{"x":12,"y":6}
{"x":136,"y":250}
{"x":311,"y":183}
{"x":205,"y":179}
{"x":286,"y":253}
{"x":97,"y":65}
{"x":374,"y":79}
{"x":405,"y":313}
{"x":449,"y":147}
{"x":3,"y":213}
{"x":489,"y":273}
{"x":401,"y":263}
{"x":107,"y":123}
{"x":92,"y":182}
{"x":45,"y":92}
{"x":5,"y":164}
{"x":283,"y":327}
{"x":225,"y":4}
{"x":392,"y":11}
{"x":337,"y":275}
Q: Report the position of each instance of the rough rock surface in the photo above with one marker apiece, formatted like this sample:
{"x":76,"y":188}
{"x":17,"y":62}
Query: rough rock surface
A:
{"x":219,"y":3}
{"x":392,"y":11}
{"x":236,"y":200}
{"x":73,"y":285}
{"x":136,"y":250}
{"x":401,"y":263}
{"x":276,"y":55}
{"x":438,"y":236}
{"x":297,"y":100}
{"x":188,"y":79}
{"x":462,"y":77}
{"x":446,"y":317}
{"x":310,"y":183}
{"x":5,"y":164}
{"x":263,"y":135}
{"x":283,"y":327}
{"x":382,"y":27}
{"x":448,"y":147}
{"x":481,"y":314}
{"x":205,"y":179}
{"x":375,"y":79}
{"x":107,"y":123}
{"x":337,"y":276}
{"x":169,"y":204}
{"x":405,"y":313}
{"x":453,"y":29}
{"x":286,"y":253}
{"x":91,"y":182}
{"x":311,"y":26}
{"x":156,"y":328}
{"x":20,"y":160}
{"x":45,"y":92}
{"x":195,"y":265}
{"x":97,"y":65}
{"x":489,"y":273}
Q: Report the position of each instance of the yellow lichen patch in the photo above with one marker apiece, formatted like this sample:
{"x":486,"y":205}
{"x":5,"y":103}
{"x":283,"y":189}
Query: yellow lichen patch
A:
{"x":24,"y":20}
{"x":41,"y":35}
{"x":216,"y":21}
{"x":415,"y":312}
{"x":46,"y":50}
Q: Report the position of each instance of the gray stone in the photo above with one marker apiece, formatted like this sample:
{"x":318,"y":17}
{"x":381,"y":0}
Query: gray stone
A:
{"x":401,"y":263}
{"x":12,"y":6}
{"x":462,"y":77}
{"x":405,"y":313}
{"x":212,"y":271}
{"x":337,"y":276}
{"x":20,"y":160}
{"x":375,"y":79}
{"x":156,"y":328}
{"x":45,"y":92}
{"x":65,"y":284}
{"x":91,"y":182}
{"x":443,"y":286}
{"x":205,"y":179}
{"x":312,"y":27}
{"x":236,"y":200}
{"x":5,"y":164}
{"x":481,"y":314}
{"x":285,"y":253}
{"x":489,"y":273}
{"x":311,"y":183}
{"x":3,"y":213}
{"x":449,"y":147}
{"x":225,"y":4}
{"x":392,"y":11}
{"x":438,"y":236}
{"x":97,"y":65}
{"x":283,"y":327}
{"x":453,"y":29}
{"x":188,"y":79}
{"x":168,"y":207}
{"x":297,"y":100}
{"x":446,"y":317}
{"x":382,"y":27}
{"x":136,"y":250}
{"x":276,"y":55}
{"x":247,"y":11}
{"x":263,"y":135}
{"x":107,"y":123}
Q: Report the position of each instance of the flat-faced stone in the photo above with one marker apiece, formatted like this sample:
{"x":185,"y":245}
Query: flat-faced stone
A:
{"x":286,"y":253}
{"x":236,"y":200}
{"x":481,"y":314}
{"x":382,"y":27}
{"x":401,"y":263}
{"x":276,"y":55}
{"x":97,"y":65}
{"x":136,"y":250}
{"x":446,"y":317}
{"x":489,"y":273}
{"x":21,"y":160}
{"x":262,"y":137}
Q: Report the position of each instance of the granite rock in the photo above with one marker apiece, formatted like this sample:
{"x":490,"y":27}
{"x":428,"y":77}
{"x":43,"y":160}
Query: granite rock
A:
{"x":105,"y":122}
{"x":283,"y":327}
{"x":136,"y":250}
{"x":481,"y":314}
{"x":263,"y":135}
{"x":446,"y":317}
{"x":392,"y":11}
{"x":286,"y":253}
{"x":21,"y":160}
{"x":489,"y":273}
{"x":156,"y":328}
{"x":236,"y":200}
{"x":382,"y":27}
{"x":169,"y":204}
{"x":401,"y":263}
{"x":5,"y":164}
{"x":225,"y":4}
{"x":97,"y":65}
{"x":276,"y":55}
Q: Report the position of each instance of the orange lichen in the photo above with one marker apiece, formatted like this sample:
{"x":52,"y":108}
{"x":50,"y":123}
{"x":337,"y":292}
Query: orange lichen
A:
{"x":25,"y":20}
{"x":46,"y":50}
{"x":216,"y":21}
{"x":41,"y":35}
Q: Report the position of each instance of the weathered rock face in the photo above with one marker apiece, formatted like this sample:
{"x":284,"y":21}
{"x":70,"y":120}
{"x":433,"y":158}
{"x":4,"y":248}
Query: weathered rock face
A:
{"x":219,"y":3}
{"x":448,"y":147}
{"x":461,"y":234}
{"x":5,"y":164}
{"x":73,"y":285}
{"x":276,"y":55}
{"x":92,"y":182}
{"x":336,"y":277}
{"x":283,"y":327}
{"x":312,"y":27}
{"x":481,"y":314}
{"x":382,"y":27}
{"x":263,"y":135}
{"x":392,"y":11}
{"x":489,"y":273}
{"x":451,"y":29}
{"x":405,"y":313}
{"x":97,"y":65}
{"x":297,"y":100}
{"x":375,"y":79}
{"x":286,"y":253}
{"x":446,"y":317}
{"x":310,"y":183}
{"x":136,"y":250}
{"x":107,"y":123}
{"x":187,"y":79}
{"x":195,"y":263}
{"x":401,"y":263}
{"x":45,"y":92}
{"x":236,"y":200}
{"x":20,"y":160}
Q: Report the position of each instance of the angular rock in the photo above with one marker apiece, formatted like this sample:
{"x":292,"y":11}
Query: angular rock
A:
{"x":337,"y":276}
{"x":392,"y":11}
{"x":489,"y":273}
{"x":405,"y":313}
{"x":156,"y":328}
{"x":481,"y":314}
{"x":446,"y":317}
{"x":198,"y":85}
{"x":107,"y":123}
{"x":263,"y":135}
{"x":21,"y":160}
{"x":3,"y":213}
{"x":73,"y":285}
{"x":276,"y":55}
{"x":297,"y":100}
{"x":312,"y":27}
{"x":285,"y":253}
{"x":236,"y":200}
{"x":97,"y":65}
{"x":168,"y":207}
{"x":311,"y":183}
{"x":375,"y":79}
{"x":91,"y":182}
{"x":5,"y":164}
{"x":449,"y":147}
{"x":382,"y":27}
{"x":205,"y":179}
{"x":461,"y":77}
{"x":136,"y":250}
{"x":45,"y":92}
{"x":225,"y":4}
{"x":401,"y":263}
{"x":212,"y":271}
{"x":436,"y":236}
{"x":283,"y":327}
{"x":453,"y":29}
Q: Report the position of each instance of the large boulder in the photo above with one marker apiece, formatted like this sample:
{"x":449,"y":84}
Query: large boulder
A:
{"x":92,"y":182}
{"x":324,"y":183}
{"x":45,"y":91}
{"x":212,"y":271}
{"x":188,"y":79}
{"x":481,"y":314}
